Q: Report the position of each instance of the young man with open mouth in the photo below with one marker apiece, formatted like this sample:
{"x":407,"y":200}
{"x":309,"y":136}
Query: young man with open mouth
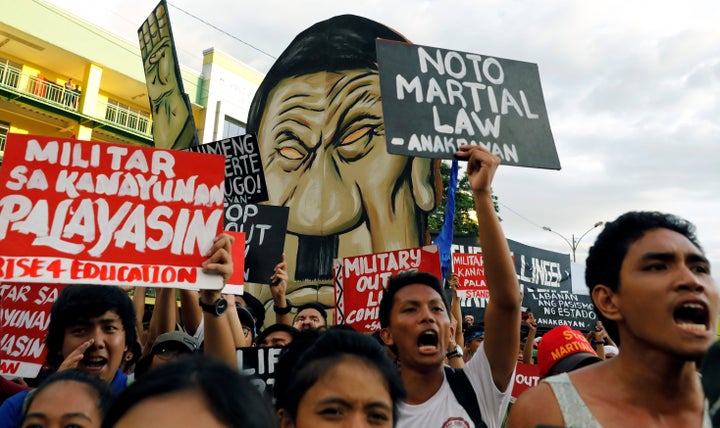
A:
{"x":652,"y":288}
{"x":415,"y":323}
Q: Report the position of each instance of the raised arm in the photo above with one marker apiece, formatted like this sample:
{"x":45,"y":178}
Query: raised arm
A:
{"x":218,"y":336}
{"x":278,"y":288}
{"x":502,"y":315}
{"x":530,"y":340}
{"x":164,"y":316}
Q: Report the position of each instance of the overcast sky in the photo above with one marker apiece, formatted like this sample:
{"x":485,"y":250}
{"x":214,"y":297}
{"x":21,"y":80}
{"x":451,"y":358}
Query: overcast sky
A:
{"x":631,"y":90}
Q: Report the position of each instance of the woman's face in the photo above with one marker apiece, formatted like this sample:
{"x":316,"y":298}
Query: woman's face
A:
{"x":177,"y":409}
{"x":62,"y":404}
{"x":351,"y":393}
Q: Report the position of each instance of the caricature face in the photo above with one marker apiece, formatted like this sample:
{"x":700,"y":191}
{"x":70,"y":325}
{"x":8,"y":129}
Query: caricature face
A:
{"x":322,"y":139}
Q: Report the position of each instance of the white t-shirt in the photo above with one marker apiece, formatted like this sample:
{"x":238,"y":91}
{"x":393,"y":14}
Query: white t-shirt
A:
{"x":442,"y":410}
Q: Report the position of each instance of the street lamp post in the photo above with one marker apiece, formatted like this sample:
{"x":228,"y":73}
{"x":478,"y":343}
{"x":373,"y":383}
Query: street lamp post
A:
{"x":573,"y":243}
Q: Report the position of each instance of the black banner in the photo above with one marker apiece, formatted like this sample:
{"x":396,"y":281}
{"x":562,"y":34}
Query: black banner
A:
{"x":435,"y":100}
{"x":244,"y":177}
{"x":259,"y":364}
{"x":552,"y":309}
{"x":265,"y":227}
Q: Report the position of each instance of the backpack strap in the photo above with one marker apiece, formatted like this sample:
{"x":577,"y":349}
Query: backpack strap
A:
{"x":465,"y":394}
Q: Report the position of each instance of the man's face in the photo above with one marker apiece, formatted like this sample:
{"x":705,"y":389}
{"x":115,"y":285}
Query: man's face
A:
{"x":276,"y":338}
{"x":168,"y":351}
{"x":667,"y":297}
{"x":308,"y":319}
{"x":472,"y":346}
{"x":419,"y":327}
{"x":105,"y":355}
{"x":469,"y":319}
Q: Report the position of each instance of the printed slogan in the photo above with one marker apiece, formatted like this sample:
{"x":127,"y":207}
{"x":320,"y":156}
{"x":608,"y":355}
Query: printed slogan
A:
{"x":76,"y":211}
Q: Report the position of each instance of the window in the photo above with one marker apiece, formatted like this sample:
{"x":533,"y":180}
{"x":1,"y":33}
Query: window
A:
{"x":233,"y":128}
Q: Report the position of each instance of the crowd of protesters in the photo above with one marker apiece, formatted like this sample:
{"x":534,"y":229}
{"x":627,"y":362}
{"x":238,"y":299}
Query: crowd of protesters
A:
{"x":113,"y":362}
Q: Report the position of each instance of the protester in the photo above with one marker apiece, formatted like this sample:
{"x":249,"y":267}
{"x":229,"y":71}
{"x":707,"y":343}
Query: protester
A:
{"x":343,"y":379}
{"x":167,"y":347}
{"x":652,"y":289}
{"x":528,"y":354}
{"x":70,"y":398}
{"x":193,"y":391}
{"x":310,"y":316}
{"x":599,"y":338}
{"x":276,"y":335}
{"x":90,"y":327}
{"x":563,"y":349}
{"x":474,"y":336}
{"x":414,"y":320}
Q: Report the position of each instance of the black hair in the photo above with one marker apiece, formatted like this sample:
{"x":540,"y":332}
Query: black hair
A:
{"x":298,"y":372}
{"x":256,"y":308}
{"x":99,"y":389}
{"x":344,"y":42}
{"x":292,"y":331}
{"x":403,"y":279}
{"x":231,"y":398}
{"x":312,"y":305}
{"x":80,"y":302}
{"x":606,"y":256}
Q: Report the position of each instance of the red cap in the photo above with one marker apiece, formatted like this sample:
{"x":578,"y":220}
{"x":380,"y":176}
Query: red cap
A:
{"x":564,"y":349}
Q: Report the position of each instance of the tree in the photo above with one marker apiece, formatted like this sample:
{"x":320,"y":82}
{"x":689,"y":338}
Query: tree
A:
{"x":465,"y":218}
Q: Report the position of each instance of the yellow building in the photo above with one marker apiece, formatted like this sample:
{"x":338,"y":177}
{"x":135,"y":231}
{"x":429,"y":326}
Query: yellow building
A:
{"x":42,"y":47}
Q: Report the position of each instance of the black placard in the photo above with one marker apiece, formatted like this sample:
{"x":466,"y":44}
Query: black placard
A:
{"x":435,"y":100}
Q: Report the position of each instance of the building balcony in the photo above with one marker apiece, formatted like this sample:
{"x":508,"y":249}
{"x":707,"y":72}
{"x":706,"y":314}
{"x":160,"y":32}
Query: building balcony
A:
{"x":43,"y":94}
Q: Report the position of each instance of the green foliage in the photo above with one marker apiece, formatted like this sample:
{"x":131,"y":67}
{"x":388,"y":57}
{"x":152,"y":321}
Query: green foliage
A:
{"x":465,"y":217}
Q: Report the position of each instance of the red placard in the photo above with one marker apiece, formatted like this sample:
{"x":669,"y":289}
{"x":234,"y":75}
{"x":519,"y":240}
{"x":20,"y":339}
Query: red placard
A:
{"x":526,"y":376}
{"x":25,"y":311}
{"x":88,"y":212}
{"x":360,"y":281}
{"x":236,"y":283}
{"x":471,"y":275}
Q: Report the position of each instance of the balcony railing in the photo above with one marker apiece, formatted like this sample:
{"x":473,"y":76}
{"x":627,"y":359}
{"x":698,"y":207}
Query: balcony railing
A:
{"x":68,"y":99}
{"x":128,"y":118}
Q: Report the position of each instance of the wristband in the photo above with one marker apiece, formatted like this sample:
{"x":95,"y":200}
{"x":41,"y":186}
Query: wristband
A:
{"x":282,"y":311}
{"x":457,"y":352}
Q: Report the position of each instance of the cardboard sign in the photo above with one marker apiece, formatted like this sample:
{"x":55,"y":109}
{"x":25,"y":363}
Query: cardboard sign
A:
{"x":360,"y":281}
{"x":235,"y":284}
{"x":173,"y":122}
{"x":264,"y":227}
{"x":25,"y":313}
{"x":471,"y":275}
{"x":244,"y":177}
{"x":536,"y":269}
{"x":87,"y":212}
{"x":435,"y":100}
{"x":259,"y":364}
{"x":526,"y":376}
{"x":552,"y":309}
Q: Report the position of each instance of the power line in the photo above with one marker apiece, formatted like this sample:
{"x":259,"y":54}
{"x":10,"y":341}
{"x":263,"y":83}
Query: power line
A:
{"x":223,"y":31}
{"x":519,"y":215}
